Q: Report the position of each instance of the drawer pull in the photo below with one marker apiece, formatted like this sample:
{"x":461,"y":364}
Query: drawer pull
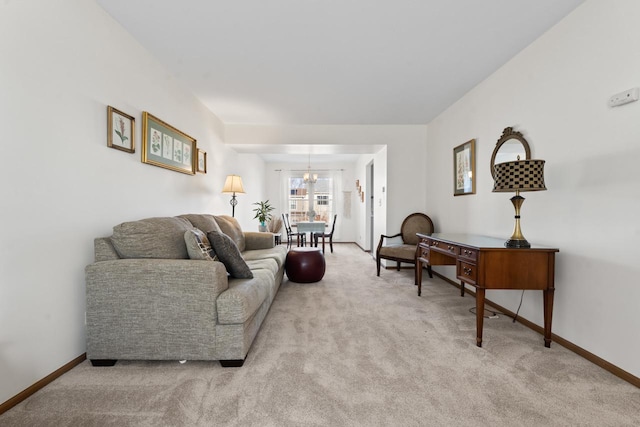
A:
{"x":467,"y":271}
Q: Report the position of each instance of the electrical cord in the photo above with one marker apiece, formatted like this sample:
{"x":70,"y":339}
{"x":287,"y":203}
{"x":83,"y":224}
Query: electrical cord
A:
{"x":494,"y":314}
{"x":520,"y":305}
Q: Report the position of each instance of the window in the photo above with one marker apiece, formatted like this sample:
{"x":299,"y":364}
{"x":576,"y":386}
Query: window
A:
{"x":299,"y":199}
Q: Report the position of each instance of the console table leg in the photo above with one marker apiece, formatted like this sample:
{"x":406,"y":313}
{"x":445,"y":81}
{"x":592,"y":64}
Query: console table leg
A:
{"x":461,"y":289}
{"x":479,"y":315}
{"x":419,"y":277}
{"x":548,"y":312}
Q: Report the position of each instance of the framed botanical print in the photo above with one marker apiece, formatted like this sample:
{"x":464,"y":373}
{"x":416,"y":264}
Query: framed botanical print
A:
{"x":121,"y":130}
{"x":202,"y":161}
{"x":464,"y":168}
{"x":167,"y":147}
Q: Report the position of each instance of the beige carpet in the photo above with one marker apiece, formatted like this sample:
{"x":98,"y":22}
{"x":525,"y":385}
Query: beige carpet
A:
{"x":352,"y":350}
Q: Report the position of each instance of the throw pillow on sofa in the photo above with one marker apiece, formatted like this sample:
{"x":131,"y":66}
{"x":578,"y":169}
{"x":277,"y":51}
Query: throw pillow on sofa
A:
{"x":198,"y":245}
{"x":229,"y":254}
{"x":231,"y":227}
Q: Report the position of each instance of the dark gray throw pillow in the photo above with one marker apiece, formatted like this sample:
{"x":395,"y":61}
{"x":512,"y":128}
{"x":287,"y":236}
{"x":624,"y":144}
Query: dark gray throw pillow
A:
{"x":229,"y":254}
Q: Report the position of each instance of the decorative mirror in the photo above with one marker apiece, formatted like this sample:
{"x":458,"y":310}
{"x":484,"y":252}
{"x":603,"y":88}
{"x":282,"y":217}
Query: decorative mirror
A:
{"x":509,"y":147}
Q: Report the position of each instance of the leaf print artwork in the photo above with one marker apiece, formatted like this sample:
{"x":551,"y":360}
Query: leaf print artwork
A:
{"x":186,"y":155}
{"x":167,"y":147}
{"x":177,"y":152}
{"x":155,"y":141}
{"x":120,"y":130}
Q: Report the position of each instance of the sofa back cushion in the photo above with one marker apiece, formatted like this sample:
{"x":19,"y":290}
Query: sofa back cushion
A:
{"x":203,"y":222}
{"x":231,"y":228}
{"x":104,"y":250}
{"x":152,"y":238}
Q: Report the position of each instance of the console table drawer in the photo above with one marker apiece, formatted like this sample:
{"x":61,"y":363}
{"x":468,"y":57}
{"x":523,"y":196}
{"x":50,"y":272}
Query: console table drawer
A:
{"x":424,"y":252}
{"x":467,"y":272}
{"x":470,"y":254}
{"x":446,"y":248}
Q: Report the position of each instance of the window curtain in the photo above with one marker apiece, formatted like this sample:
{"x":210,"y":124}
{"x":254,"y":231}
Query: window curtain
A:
{"x":283,"y":203}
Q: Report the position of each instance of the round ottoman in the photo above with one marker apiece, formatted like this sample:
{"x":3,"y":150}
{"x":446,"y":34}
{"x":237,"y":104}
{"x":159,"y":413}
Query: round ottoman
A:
{"x":305,"y":265}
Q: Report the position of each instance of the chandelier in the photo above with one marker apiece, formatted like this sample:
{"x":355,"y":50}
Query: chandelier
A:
{"x":308,"y":177}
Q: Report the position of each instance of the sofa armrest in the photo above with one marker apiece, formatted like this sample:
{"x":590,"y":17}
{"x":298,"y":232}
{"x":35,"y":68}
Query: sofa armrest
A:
{"x":158,"y":309}
{"x":258,"y":240}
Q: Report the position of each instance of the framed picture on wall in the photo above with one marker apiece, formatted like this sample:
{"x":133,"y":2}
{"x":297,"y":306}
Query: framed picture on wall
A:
{"x":167,"y":147}
{"x":202,"y":161}
{"x":121,"y":130}
{"x":464,"y":168}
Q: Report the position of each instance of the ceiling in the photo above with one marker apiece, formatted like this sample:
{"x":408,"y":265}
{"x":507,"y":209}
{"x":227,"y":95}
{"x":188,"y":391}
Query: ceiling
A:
{"x":333,"y":62}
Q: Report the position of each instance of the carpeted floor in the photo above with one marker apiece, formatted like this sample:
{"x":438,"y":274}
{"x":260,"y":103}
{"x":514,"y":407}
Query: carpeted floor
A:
{"x":352,"y":350}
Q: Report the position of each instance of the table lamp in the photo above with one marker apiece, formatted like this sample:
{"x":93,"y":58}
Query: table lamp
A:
{"x":233,"y":185}
{"x":519,"y":175}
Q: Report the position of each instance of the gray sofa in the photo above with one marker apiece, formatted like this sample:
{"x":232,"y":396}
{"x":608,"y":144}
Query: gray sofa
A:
{"x":148,"y":300}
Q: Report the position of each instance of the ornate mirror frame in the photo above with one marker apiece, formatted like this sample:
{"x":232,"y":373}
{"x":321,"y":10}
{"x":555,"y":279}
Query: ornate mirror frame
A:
{"x":509,"y":134}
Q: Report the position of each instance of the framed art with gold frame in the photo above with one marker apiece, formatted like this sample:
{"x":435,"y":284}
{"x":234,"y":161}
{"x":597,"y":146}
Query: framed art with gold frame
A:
{"x":464,"y":168}
{"x":202,"y":161}
{"x":167,"y":147}
{"x":121,"y":130}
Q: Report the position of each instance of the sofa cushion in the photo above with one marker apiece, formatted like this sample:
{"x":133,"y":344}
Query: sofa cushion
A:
{"x":278,"y":253}
{"x":238,"y":303}
{"x":268,"y":264}
{"x":229,"y":254}
{"x":161,"y":237}
{"x":198,"y":245}
{"x":204,"y":222}
{"x":231,"y":228}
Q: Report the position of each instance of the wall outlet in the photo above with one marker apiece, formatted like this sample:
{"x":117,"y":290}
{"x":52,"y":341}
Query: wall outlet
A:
{"x":625,"y":97}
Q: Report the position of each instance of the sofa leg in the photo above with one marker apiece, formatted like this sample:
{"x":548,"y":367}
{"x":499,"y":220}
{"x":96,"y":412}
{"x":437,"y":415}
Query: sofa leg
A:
{"x":233,"y":363}
{"x":103,"y":362}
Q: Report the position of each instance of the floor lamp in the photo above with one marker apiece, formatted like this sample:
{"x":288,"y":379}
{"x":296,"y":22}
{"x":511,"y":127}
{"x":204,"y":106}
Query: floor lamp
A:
{"x":233,"y":185}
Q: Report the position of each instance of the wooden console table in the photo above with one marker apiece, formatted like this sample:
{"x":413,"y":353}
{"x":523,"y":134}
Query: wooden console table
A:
{"x":485,"y":263}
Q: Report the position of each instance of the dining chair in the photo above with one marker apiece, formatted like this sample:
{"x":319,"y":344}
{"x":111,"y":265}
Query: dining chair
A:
{"x":316,"y":236}
{"x":291,"y":234}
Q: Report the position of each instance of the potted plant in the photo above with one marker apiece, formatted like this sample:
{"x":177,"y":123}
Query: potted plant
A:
{"x":263,"y":214}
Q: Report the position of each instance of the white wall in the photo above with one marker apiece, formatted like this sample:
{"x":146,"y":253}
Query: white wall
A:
{"x":62,"y":63}
{"x":556,"y":93}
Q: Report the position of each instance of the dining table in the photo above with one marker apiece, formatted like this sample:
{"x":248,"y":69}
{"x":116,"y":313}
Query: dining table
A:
{"x":311,"y":227}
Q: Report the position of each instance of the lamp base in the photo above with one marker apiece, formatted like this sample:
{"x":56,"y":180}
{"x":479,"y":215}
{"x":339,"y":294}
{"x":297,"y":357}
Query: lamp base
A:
{"x":517,"y":243}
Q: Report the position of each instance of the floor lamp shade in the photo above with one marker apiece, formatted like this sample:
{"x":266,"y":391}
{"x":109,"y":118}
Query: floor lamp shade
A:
{"x":517,"y":176}
{"x":233,"y":185}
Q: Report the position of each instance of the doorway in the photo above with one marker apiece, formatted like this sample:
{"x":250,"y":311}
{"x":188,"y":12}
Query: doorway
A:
{"x":370,"y":211}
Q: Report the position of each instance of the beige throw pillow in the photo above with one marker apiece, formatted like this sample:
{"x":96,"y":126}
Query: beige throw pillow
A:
{"x":198,"y":245}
